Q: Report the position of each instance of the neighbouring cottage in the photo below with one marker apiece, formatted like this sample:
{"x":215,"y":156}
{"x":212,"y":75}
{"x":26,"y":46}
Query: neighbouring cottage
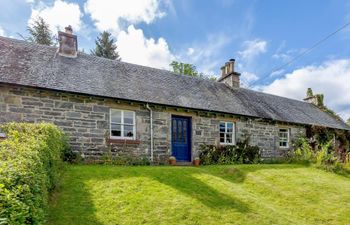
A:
{"x":141,"y":111}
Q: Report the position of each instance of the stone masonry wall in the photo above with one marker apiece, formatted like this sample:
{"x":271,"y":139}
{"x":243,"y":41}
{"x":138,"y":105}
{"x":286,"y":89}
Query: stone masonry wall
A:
{"x":85,"y":119}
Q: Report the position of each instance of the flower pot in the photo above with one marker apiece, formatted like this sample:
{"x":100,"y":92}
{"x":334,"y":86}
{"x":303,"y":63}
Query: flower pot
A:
{"x":172,"y":162}
{"x":196,"y":162}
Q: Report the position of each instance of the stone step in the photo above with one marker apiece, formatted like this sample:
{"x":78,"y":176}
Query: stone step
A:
{"x":184,"y":163}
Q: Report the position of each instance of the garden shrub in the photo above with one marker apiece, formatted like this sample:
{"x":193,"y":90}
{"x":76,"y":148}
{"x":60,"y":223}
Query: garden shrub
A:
{"x":30,"y":164}
{"x":242,"y":152}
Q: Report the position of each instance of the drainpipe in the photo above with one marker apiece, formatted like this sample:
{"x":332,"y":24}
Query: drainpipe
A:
{"x":151,"y":124}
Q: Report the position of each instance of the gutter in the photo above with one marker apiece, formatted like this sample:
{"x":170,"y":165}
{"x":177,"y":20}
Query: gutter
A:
{"x":151,"y":130}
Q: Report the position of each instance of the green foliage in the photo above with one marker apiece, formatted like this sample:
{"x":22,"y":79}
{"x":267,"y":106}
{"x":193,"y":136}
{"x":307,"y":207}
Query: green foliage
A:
{"x":30,"y":164}
{"x":230,"y":154}
{"x":303,"y":152}
{"x":124,"y":160}
{"x":309,"y":92}
{"x":106,"y":47}
{"x":348,"y":121}
{"x":320,"y":100}
{"x":40,"y":32}
{"x":323,"y":154}
{"x":184,"y":69}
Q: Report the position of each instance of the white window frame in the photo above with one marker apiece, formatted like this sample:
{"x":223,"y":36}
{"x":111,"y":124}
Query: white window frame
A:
{"x":286,"y":130}
{"x":122,"y":125}
{"x":233,"y":133}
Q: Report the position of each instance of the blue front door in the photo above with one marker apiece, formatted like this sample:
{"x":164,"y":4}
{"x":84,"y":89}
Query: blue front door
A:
{"x":181,"y":138}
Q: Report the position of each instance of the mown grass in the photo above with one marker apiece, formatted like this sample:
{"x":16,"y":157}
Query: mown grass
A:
{"x":240,"y":194}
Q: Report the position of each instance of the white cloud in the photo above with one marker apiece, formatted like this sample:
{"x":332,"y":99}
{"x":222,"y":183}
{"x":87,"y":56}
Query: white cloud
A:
{"x":2,"y":32}
{"x":247,"y":60}
{"x":134,"y":47}
{"x":253,"y":48}
{"x":117,"y":14}
{"x":247,"y":78}
{"x":330,"y":78}
{"x":206,"y":55}
{"x":59,"y":15}
{"x":190,"y":51}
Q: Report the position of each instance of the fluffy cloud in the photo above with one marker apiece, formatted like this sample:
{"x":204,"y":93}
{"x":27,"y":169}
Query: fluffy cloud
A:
{"x":113,"y":15}
{"x":134,"y":47}
{"x":252,"y":49}
{"x":330,"y":78}
{"x":206,"y":55}
{"x":59,"y":15}
{"x":247,"y":60}
{"x":247,"y":78}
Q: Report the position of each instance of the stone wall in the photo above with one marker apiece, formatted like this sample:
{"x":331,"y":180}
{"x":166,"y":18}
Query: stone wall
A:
{"x":265,"y":136}
{"x":86,"y":121}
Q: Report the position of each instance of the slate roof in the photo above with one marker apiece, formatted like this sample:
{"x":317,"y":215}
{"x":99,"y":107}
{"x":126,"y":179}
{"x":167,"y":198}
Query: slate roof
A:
{"x":29,"y":64}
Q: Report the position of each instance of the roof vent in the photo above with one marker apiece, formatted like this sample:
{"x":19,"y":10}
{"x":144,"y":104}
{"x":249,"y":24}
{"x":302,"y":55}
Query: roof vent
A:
{"x":68,"y":44}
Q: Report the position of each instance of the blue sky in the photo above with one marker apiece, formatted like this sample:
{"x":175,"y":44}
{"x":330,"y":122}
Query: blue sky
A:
{"x":260,"y":35}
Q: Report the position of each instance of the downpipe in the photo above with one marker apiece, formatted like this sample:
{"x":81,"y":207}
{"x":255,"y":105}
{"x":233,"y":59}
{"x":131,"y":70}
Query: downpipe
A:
{"x":151,"y":125}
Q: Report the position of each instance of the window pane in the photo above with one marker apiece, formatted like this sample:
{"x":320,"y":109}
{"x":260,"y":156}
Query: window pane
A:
{"x":229,"y":127}
{"x":222,"y":127}
{"x":185,"y":131}
{"x":116,"y":130}
{"x":229,"y":138}
{"x":283,"y":144}
{"x":179,"y":130}
{"x":116,"y":116}
{"x":128,"y":117}
{"x":222,"y":137}
{"x":174,"y":130}
{"x":128,"y":131}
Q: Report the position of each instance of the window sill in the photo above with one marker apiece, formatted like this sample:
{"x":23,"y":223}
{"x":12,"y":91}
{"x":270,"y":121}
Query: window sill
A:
{"x":229,"y":144}
{"x":122,"y":141}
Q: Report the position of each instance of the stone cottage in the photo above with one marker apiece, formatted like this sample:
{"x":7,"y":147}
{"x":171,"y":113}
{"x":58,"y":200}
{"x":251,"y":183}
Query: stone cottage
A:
{"x":141,"y":111}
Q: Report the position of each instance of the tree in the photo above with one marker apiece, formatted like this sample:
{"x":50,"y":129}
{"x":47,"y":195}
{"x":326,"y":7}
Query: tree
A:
{"x":185,"y":69}
{"x":105,"y":47}
{"x":40,"y":32}
{"x":348,"y":121}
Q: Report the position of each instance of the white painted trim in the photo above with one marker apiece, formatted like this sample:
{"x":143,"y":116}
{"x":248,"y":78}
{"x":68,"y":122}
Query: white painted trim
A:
{"x":288,"y":138}
{"x":233,"y":133}
{"x":122,"y":125}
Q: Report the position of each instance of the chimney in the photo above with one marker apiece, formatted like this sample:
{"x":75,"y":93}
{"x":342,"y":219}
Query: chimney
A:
{"x":316,"y":99}
{"x":68,"y":44}
{"x":228,"y":74}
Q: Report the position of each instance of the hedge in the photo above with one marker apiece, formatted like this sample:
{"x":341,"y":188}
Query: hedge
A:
{"x":30,"y":164}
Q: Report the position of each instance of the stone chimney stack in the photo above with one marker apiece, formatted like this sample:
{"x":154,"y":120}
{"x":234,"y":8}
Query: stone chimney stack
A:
{"x":228,"y":74}
{"x":68,"y":43}
{"x":316,"y":99}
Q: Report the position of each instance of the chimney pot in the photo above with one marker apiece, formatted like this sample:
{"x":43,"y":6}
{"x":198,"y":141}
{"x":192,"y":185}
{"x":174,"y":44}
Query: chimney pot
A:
{"x":68,"y":43}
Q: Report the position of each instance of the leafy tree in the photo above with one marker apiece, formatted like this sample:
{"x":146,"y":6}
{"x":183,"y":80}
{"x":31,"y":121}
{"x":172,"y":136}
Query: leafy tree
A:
{"x":185,"y":69}
{"x":348,"y":121}
{"x":40,"y":32}
{"x":105,"y":47}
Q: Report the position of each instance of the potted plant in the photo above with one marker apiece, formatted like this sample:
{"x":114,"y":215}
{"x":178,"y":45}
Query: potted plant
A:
{"x":172,"y":160}
{"x":196,"y":161}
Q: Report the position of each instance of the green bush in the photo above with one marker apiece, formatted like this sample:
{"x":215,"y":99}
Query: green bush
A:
{"x":30,"y":164}
{"x":230,"y":154}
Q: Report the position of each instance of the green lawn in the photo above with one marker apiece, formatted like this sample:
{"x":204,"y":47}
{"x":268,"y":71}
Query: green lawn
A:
{"x":241,"y":194}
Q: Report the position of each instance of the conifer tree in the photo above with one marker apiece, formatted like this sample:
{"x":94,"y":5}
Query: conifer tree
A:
{"x":40,"y":32}
{"x":105,"y":47}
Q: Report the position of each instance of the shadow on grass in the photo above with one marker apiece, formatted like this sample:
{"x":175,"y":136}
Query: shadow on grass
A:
{"x":71,"y":203}
{"x":76,"y":202}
